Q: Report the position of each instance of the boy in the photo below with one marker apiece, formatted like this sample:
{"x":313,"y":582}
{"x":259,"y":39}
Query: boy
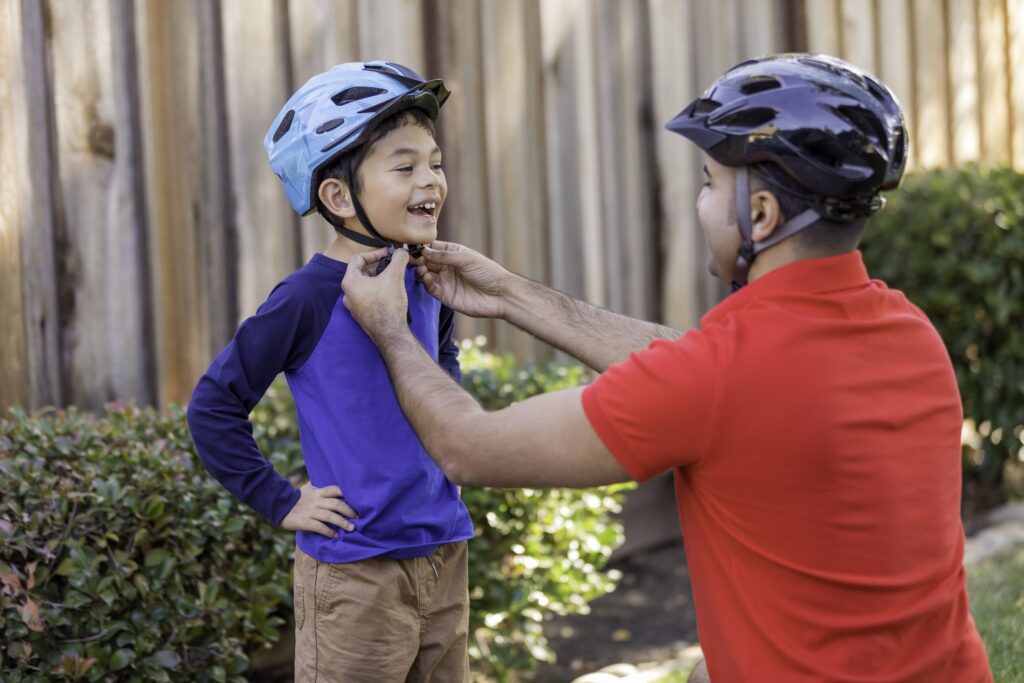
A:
{"x":386,"y":599}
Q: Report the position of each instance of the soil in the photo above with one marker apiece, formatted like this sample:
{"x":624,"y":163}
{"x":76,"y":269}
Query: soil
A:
{"x":648,"y":618}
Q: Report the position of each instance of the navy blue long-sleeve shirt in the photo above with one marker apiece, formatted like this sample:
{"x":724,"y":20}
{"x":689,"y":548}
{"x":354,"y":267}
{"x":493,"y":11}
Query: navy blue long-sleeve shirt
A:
{"x":353,"y":432}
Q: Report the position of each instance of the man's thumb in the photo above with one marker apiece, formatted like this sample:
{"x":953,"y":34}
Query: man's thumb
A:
{"x":401,"y":259}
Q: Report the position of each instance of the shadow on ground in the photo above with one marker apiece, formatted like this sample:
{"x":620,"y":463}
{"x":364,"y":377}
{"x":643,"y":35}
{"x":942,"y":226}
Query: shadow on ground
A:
{"x":648,"y":618}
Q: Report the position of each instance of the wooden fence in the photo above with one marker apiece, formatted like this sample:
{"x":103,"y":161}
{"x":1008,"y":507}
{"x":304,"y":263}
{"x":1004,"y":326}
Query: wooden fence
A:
{"x":140,"y":222}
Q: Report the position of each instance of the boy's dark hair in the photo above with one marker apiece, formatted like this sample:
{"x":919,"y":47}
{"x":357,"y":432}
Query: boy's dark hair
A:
{"x":345,"y":167}
{"x":823,"y":238}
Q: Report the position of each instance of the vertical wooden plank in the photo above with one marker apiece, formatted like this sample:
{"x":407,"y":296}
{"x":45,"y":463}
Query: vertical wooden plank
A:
{"x":563,"y":70}
{"x":169,"y":69}
{"x":322,"y":33}
{"x":392,"y":30}
{"x":636,"y":265}
{"x":1015,"y":60}
{"x":461,"y":135}
{"x":35,"y":181}
{"x":675,"y":85}
{"x":858,"y":33}
{"x":513,"y":100}
{"x":762,"y":28}
{"x":896,"y":61}
{"x":932,"y":78}
{"x":824,"y":26}
{"x":993,"y":71}
{"x":609,"y":120}
{"x":104,"y":322}
{"x":14,"y":387}
{"x":257,"y":86}
{"x":963,"y":72}
{"x":217,"y":238}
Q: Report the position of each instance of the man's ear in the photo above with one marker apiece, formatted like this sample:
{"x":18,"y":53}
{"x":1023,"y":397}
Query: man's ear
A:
{"x":336,"y":198}
{"x":765,"y":215}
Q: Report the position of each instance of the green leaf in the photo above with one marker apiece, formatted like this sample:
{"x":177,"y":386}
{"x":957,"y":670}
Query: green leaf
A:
{"x":121,"y":659}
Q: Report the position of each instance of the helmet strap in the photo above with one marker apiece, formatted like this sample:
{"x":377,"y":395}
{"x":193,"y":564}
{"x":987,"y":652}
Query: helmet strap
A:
{"x":748,"y":248}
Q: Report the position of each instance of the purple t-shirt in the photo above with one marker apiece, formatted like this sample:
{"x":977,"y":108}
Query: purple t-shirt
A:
{"x":353,"y":432}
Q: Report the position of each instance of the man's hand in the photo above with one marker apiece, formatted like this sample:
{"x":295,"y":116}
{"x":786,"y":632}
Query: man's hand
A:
{"x":463,"y":280}
{"x":377,"y":302}
{"x":317,"y":508}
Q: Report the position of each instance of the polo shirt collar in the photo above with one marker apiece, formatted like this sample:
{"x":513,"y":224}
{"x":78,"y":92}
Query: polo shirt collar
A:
{"x":808,"y":276}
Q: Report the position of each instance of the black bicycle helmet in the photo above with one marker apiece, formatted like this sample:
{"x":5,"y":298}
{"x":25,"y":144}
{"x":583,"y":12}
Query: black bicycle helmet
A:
{"x":835,"y":133}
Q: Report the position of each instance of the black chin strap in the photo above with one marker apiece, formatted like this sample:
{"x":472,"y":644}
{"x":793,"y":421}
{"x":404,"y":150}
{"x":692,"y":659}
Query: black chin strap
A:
{"x":374,"y":239}
{"x":748,"y":248}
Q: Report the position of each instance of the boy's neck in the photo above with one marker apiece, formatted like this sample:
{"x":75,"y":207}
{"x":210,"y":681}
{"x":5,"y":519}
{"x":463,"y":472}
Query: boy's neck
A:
{"x":343,"y":249}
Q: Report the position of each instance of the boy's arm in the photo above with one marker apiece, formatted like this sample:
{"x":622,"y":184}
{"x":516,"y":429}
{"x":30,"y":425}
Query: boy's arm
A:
{"x":447,"y":349}
{"x":278,"y":337}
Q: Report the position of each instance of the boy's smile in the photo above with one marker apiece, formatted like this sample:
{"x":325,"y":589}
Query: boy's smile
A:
{"x":403,"y":185}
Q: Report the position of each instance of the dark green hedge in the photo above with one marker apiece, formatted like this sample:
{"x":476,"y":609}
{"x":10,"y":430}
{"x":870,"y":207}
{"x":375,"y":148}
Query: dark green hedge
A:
{"x":121,"y":559}
{"x":953,"y":241}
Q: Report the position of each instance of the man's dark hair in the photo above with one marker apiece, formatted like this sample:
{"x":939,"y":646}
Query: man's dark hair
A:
{"x":345,"y":167}
{"x":823,"y":238}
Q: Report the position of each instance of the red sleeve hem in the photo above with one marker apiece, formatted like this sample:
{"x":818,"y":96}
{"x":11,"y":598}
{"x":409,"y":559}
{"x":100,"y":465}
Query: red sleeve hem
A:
{"x":604,"y":430}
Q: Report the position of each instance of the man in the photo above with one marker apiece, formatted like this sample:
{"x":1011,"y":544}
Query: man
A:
{"x":812,"y":421}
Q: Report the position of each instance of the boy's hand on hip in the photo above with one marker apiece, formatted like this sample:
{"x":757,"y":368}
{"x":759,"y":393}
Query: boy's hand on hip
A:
{"x":463,"y":280}
{"x":377,"y":302}
{"x":317,"y":508}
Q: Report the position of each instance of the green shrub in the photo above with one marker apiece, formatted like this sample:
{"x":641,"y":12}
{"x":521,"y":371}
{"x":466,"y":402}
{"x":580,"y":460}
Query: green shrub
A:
{"x":953,"y":241}
{"x":122,"y":559}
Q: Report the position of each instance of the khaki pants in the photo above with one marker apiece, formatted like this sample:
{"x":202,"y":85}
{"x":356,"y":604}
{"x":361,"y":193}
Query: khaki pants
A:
{"x":383,"y":620}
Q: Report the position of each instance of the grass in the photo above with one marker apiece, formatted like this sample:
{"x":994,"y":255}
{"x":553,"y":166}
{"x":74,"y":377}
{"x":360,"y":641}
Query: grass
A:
{"x":996,"y":590}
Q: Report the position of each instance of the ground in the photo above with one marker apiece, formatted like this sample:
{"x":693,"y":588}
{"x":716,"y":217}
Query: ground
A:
{"x":648,"y":618}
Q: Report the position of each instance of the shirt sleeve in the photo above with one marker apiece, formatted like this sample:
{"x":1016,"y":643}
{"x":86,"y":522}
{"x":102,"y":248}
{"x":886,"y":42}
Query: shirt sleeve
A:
{"x":269,"y":342}
{"x":656,"y":410}
{"x":447,"y":349}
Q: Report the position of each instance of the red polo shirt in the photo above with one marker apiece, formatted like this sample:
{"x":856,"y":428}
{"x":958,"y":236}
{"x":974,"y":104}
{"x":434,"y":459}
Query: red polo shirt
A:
{"x":813,"y":425}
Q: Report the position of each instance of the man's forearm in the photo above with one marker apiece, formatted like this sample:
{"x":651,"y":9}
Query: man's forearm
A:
{"x":545,"y":440}
{"x":438,"y":409}
{"x":586,"y":332}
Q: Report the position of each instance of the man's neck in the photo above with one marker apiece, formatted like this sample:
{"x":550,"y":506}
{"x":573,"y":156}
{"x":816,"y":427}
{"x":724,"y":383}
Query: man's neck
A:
{"x":778,"y":256}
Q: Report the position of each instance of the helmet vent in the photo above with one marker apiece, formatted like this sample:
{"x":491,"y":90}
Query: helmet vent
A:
{"x":355,"y":94}
{"x":759,"y":84}
{"x":329,"y":125}
{"x":374,"y":108}
{"x":286,"y":124}
{"x":746,"y":119}
{"x":704,"y":106}
{"x":865,"y":122}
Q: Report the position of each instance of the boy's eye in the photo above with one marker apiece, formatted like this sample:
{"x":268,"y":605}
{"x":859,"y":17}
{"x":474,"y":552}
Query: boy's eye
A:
{"x":404,"y":169}
{"x":437,"y":166}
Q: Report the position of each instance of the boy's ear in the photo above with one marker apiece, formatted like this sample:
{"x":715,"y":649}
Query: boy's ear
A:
{"x":765,"y":215}
{"x":336,"y":198}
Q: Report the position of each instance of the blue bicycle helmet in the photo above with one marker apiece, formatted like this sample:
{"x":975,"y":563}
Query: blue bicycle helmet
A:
{"x":333,"y":113}
{"x":830,"y":129}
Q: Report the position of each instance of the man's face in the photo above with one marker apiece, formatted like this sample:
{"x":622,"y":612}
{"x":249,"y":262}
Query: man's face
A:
{"x":403,"y":185}
{"x":716,"y":211}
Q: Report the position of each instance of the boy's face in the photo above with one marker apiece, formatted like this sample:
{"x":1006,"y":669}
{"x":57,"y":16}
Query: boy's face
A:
{"x":403,"y":185}
{"x":716,"y":212}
